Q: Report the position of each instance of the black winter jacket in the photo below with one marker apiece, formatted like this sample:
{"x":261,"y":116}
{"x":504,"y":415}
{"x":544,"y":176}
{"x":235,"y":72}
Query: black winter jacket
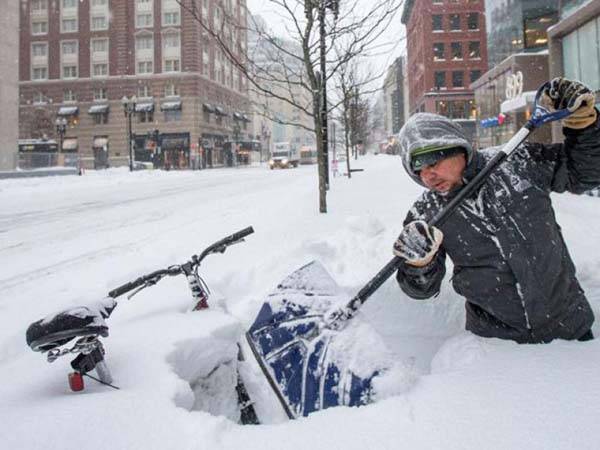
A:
{"x":510,"y":260}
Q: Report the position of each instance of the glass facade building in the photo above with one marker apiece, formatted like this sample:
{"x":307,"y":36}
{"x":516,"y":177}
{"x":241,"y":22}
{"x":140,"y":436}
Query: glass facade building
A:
{"x":516,"y":26}
{"x":581,"y":54}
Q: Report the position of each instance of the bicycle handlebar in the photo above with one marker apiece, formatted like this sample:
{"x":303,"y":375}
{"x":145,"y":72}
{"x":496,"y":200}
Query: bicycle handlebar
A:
{"x":175,"y":270}
{"x":123,"y":289}
{"x":225,"y":242}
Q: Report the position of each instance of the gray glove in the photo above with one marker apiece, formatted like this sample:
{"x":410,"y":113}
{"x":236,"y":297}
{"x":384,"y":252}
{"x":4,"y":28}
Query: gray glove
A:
{"x":418,"y":243}
{"x":574,"y":96}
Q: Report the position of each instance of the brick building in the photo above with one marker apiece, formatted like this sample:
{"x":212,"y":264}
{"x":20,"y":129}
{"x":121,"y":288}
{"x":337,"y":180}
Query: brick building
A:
{"x":446,"y":45}
{"x":78,"y":58}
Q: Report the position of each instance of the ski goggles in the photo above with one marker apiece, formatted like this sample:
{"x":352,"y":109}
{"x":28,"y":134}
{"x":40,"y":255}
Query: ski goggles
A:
{"x":428,"y":156}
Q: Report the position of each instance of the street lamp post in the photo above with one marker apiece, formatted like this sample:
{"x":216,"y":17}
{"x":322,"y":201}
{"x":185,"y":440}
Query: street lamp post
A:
{"x":61,"y":129}
{"x":129,"y":109}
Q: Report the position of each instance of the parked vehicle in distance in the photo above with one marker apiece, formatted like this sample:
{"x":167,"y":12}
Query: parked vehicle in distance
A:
{"x":308,"y":155}
{"x":284,"y":155}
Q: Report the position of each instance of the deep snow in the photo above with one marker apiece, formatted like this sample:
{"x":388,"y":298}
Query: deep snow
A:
{"x":67,"y":241}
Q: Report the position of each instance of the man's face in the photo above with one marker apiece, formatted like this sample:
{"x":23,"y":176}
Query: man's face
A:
{"x":444,"y":175}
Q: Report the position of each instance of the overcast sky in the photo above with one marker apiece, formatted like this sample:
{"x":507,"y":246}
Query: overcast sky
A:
{"x":392,"y":42}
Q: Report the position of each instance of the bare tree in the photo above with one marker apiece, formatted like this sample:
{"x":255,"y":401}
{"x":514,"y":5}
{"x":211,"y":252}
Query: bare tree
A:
{"x":293,"y":73}
{"x":352,"y":87}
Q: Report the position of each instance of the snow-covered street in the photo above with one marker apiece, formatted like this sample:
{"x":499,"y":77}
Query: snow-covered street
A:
{"x":67,"y":241}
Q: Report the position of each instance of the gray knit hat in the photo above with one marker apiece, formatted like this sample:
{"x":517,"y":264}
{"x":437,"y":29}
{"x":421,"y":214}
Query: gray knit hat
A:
{"x":426,"y":138}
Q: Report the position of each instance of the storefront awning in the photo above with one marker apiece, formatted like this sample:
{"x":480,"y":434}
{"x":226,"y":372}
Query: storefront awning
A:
{"x":68,"y":111}
{"x":518,"y":104}
{"x":208,"y":107}
{"x":69,"y":145}
{"x":220,"y":111}
{"x":98,"y":109}
{"x":144,"y":107}
{"x":171,"y":106}
{"x":100,"y":142}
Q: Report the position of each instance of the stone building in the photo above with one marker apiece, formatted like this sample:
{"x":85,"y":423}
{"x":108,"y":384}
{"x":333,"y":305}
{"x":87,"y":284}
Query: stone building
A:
{"x":9,"y":79}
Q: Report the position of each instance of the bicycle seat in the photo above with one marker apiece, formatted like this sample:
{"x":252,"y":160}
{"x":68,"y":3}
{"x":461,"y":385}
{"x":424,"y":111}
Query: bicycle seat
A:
{"x":60,"y":328}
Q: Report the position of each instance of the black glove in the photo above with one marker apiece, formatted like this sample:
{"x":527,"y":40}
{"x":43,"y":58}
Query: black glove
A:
{"x":418,"y":243}
{"x":574,"y":96}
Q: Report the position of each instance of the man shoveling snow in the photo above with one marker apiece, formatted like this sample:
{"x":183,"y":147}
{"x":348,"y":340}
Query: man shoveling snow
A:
{"x":510,"y":260}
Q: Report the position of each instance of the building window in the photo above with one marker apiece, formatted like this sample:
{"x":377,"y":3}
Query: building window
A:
{"x":171,"y":52}
{"x":474,"y":50}
{"x":99,"y":45}
{"x":69,"y":48}
{"x":39,"y":27}
{"x":440,"y":80}
{"x":99,"y":23}
{"x":535,"y":31}
{"x":99,"y":2}
{"x":144,"y":43}
{"x":456,"y":50}
{"x":69,"y":3}
{"x":100,"y":70}
{"x":146,"y":116}
{"x":143,"y":91}
{"x":438,"y":51}
{"x":100,"y":94}
{"x":68,"y":25}
{"x":39,"y":73}
{"x":100,"y":119}
{"x":581,"y":55}
{"x":39,"y":6}
{"x":475,"y":74}
{"x":205,"y":61}
{"x":171,"y":65}
{"x":436,"y":22}
{"x":171,"y":18}
{"x":171,"y":90}
{"x":473,"y":21}
{"x":454,"y":22}
{"x":69,"y":95}
{"x":39,"y":50}
{"x":171,"y":41}
{"x":173,"y":116}
{"x":144,"y":67}
{"x":39,"y":98}
{"x":69,"y":72}
{"x":458,"y":79}
{"x":143,"y":20}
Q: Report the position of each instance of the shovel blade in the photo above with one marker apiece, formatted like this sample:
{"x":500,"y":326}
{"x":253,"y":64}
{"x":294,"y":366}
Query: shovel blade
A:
{"x":307,"y":365}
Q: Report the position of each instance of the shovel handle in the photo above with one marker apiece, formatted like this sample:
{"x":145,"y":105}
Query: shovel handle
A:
{"x":539,"y":117}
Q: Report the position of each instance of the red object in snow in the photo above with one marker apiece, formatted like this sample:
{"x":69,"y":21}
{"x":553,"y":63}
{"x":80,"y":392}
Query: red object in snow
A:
{"x":501,"y":118}
{"x":76,"y":381}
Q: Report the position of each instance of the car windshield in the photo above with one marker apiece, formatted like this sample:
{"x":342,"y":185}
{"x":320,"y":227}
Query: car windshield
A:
{"x":280,"y":154}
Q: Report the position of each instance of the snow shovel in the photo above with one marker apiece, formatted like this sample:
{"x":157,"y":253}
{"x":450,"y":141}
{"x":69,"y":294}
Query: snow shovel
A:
{"x":294,"y":337}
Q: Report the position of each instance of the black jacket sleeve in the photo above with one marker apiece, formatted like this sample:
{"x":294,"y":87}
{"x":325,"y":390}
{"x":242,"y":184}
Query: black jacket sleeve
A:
{"x":572,"y":166}
{"x":421,"y":283}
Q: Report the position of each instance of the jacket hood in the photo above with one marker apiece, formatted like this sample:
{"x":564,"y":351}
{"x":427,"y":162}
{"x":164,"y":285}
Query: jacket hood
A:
{"x":430,"y":130}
